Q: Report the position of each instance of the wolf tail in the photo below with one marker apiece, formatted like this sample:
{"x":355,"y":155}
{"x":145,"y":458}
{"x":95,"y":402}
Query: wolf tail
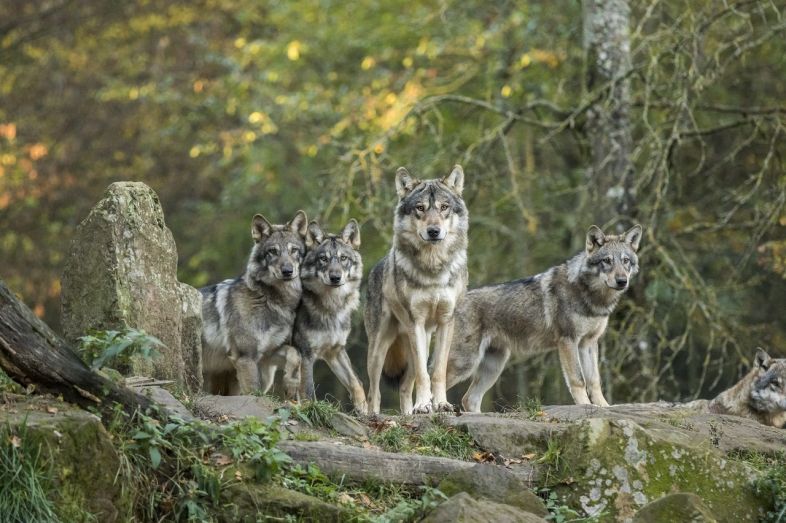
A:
{"x":396,"y":361}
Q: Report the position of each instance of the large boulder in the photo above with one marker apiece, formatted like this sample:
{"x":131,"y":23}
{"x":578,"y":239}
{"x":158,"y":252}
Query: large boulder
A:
{"x":122,"y":273}
{"x":71,"y":453}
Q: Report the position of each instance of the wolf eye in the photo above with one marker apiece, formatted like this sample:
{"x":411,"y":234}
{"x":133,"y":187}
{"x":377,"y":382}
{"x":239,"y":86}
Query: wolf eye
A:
{"x":607,"y":260}
{"x":420,"y":207}
{"x":343,"y":258}
{"x":272,"y":252}
{"x":626,"y":261}
{"x":444,"y":207}
{"x":323,"y":257}
{"x":294,"y":250}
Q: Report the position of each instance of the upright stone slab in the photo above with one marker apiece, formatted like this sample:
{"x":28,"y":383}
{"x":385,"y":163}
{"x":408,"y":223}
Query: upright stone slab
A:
{"x":122,"y":272}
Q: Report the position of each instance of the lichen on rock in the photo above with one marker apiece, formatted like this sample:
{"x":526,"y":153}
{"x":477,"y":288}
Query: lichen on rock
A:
{"x":121,"y":272}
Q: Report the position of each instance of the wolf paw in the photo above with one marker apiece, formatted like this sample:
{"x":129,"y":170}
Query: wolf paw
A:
{"x":423,"y":408}
{"x":443,"y":407}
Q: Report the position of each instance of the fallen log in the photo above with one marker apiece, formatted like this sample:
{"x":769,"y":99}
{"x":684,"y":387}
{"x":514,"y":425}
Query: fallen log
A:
{"x":360,"y":464}
{"x":32,"y":354}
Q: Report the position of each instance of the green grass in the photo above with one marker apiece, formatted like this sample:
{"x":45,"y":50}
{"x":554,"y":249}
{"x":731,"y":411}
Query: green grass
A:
{"x":9,"y":385}
{"x":448,"y":442}
{"x":392,"y":439}
{"x":23,"y":489}
{"x":317,"y":414}
{"x":771,"y":483}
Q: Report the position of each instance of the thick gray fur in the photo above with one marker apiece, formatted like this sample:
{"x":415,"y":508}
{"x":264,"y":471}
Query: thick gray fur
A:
{"x":247,"y":320}
{"x":331,"y":275}
{"x":565,"y":308}
{"x":413,"y":291}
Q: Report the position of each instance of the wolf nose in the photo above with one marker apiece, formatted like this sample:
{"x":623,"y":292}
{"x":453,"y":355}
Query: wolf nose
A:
{"x":433,"y":232}
{"x":335,"y":278}
{"x":622,"y":282}
{"x":287,"y":272}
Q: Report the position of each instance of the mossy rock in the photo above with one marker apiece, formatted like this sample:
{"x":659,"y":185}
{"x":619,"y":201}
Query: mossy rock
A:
{"x":78,"y":460}
{"x":681,"y":506}
{"x":615,"y":467}
{"x":496,"y":484}
{"x":245,"y":502}
{"x":464,"y":509}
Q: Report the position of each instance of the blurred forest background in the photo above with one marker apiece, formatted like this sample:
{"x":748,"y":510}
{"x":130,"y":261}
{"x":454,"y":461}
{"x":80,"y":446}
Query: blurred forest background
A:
{"x":231,"y":107}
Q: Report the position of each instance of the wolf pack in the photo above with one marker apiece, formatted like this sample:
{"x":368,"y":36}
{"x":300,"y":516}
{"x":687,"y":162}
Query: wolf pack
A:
{"x":294,"y":303}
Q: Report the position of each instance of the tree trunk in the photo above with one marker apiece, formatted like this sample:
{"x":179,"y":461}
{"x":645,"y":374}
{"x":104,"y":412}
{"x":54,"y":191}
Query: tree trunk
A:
{"x":32,"y":354}
{"x":360,"y":464}
{"x":607,"y":48}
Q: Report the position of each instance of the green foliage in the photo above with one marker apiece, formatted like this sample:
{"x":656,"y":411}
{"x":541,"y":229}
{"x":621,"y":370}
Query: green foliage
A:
{"x":318,"y":414}
{"x":7,"y":384}
{"x":414,"y":509}
{"x":770,"y":483}
{"x":229,"y":108}
{"x":532,"y":407}
{"x":438,"y":439}
{"x":392,"y":439}
{"x":23,"y":489}
{"x":559,"y":512}
{"x":110,"y":346}
{"x":450,"y":442}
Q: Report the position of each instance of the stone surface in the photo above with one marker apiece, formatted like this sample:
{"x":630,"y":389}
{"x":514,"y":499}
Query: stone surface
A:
{"x":675,"y":422}
{"x":496,"y":484}
{"x":348,"y":426}
{"x":463,"y":508}
{"x":165,"y":399}
{"x":236,"y":407}
{"x":504,"y":435}
{"x":614,"y":467}
{"x":122,"y":272}
{"x":675,"y":507}
{"x":246,"y":502}
{"x":77,"y":451}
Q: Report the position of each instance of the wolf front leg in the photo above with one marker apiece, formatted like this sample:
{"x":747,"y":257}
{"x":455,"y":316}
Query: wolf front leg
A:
{"x":444,"y":336}
{"x":247,"y":374}
{"x":419,"y":357}
{"x":339,"y":363}
{"x":571,"y":369}
{"x":307,"y":359}
{"x":589,"y":366}
{"x":379,"y":344}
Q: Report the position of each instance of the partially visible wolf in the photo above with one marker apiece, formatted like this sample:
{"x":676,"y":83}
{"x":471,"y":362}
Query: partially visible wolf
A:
{"x":247,"y":320}
{"x":759,"y":395}
{"x":413,"y":290}
{"x":330,"y":275}
{"x":565,"y":308}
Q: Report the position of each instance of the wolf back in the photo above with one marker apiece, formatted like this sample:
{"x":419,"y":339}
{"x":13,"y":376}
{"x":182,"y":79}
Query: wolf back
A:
{"x":565,"y":308}
{"x":246,"y":319}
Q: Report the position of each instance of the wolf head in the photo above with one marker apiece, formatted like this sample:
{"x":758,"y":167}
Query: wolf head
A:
{"x":430,"y":211}
{"x":333,"y":259}
{"x":612,"y":258}
{"x":769,"y":388}
{"x":278,"y":250}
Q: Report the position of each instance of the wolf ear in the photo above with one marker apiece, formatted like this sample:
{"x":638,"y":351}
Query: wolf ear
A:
{"x":455,"y":180}
{"x":633,"y":236}
{"x":404,"y":182}
{"x":762,"y":359}
{"x":299,"y":224}
{"x":314,"y":235}
{"x":351,"y":233}
{"x":595,"y":238}
{"x":260,"y":228}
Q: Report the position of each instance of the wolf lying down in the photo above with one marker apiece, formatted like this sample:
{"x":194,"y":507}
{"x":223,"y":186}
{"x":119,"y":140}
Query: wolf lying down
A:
{"x":759,"y":395}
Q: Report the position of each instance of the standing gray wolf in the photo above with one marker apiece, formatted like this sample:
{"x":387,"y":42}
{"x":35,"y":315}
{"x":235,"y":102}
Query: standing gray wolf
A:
{"x":565,"y":308}
{"x":413,"y":290}
{"x":246,"y":320}
{"x":759,"y":395}
{"x":330,"y":275}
